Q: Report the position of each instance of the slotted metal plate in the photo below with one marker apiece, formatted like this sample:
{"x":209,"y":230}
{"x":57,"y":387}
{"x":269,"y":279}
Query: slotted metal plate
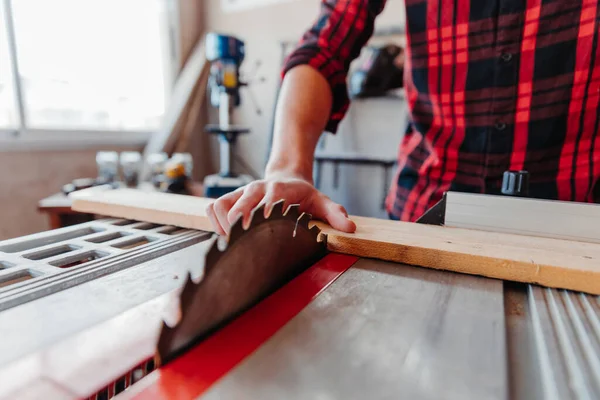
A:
{"x":554,"y":342}
{"x":37,"y":265}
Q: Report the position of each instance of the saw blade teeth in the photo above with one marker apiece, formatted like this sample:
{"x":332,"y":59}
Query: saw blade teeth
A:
{"x":238,"y":221}
{"x":277,"y":209}
{"x":304,"y":219}
{"x":165,"y":328}
{"x":188,"y":290}
{"x":212,"y":255}
{"x":293,"y":211}
{"x":176,"y":336}
{"x":257,"y":216}
{"x":315,"y":230}
{"x":188,"y":277}
{"x":237,"y":228}
{"x":164,"y":338}
{"x":236,"y":231}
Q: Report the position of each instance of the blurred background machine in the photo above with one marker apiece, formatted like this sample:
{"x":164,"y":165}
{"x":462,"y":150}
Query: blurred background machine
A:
{"x":380,"y":71}
{"x":226,"y":54}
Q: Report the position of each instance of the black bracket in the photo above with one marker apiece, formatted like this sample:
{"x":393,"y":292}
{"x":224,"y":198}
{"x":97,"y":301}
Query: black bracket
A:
{"x":436,"y":215}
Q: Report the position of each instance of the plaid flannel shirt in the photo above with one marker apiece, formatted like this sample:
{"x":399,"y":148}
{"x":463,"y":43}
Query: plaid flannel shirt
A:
{"x":491,"y":85}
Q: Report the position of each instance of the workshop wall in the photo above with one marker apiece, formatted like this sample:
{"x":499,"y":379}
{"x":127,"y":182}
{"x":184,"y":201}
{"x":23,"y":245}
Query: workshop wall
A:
{"x":28,"y":176}
{"x":263,"y":29}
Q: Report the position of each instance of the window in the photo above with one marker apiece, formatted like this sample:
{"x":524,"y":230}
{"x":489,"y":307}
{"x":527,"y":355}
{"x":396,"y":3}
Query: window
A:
{"x":8,"y":105}
{"x":88,"y":64}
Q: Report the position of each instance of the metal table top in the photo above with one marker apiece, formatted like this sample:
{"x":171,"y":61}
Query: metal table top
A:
{"x":384,"y":331}
{"x":381,"y":330}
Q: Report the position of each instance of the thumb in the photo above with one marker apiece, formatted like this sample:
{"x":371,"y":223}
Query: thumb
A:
{"x":335,"y":215}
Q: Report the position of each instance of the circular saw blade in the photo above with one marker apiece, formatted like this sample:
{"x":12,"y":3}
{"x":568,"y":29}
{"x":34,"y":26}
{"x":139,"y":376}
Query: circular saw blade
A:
{"x":256,"y":261}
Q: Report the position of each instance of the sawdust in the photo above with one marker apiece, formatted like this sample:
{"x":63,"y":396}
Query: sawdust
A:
{"x":514,"y":308}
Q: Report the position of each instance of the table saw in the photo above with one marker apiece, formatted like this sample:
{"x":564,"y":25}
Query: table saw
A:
{"x":120,"y":308}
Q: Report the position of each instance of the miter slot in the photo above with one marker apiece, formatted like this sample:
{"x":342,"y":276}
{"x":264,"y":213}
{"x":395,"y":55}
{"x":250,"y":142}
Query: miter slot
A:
{"x":16,"y":277}
{"x":145,"y":226}
{"x":5,"y":264}
{"x":171,"y":230}
{"x":52,"y":252}
{"x":136,"y":242}
{"x":167,"y":229}
{"x":48,"y":240}
{"x":88,"y":263}
{"x":108,"y":237}
{"x":124,"y":222}
{"x":79,"y":259}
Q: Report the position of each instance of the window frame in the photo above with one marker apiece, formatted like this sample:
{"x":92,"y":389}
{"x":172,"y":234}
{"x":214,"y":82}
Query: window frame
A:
{"x":24,"y":137}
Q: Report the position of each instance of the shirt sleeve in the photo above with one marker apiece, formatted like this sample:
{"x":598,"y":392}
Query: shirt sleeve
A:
{"x":334,"y":40}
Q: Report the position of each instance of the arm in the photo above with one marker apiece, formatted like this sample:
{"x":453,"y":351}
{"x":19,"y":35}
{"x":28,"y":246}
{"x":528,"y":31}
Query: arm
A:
{"x":301,"y":115}
{"x":300,"y":118}
{"x":313,"y":98}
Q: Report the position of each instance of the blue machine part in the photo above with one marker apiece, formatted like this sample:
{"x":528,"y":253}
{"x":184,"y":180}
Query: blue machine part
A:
{"x":226,"y":53}
{"x":214,"y":192}
{"x":225,"y":48}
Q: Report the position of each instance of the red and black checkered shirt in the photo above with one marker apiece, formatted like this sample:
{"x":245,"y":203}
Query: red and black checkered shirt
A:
{"x":491,"y":85}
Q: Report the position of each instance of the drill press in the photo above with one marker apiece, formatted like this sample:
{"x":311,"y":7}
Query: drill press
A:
{"x":225,"y":53}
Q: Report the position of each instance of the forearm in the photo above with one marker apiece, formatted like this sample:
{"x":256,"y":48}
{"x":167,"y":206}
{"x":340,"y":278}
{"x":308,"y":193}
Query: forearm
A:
{"x":301,"y":115}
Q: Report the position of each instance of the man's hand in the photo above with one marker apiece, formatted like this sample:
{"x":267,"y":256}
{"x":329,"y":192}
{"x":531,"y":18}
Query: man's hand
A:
{"x":302,"y":111}
{"x":292,"y":189}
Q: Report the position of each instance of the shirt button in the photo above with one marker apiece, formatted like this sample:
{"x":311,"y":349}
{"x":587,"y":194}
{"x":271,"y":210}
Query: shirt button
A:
{"x":500,"y":126}
{"x":506,"y":57}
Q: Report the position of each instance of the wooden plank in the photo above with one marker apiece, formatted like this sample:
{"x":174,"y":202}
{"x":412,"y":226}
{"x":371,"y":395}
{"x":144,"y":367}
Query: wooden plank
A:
{"x":549,"y":262}
{"x":156,"y":207}
{"x":558,"y":263}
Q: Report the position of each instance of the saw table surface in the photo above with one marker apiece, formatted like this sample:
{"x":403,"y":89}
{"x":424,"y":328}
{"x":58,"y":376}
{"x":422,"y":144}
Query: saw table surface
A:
{"x":380,"y":330}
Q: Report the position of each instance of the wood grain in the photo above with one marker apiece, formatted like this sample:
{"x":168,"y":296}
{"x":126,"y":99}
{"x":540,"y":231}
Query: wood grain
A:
{"x":135,"y":204}
{"x":557,"y":263}
{"x":548,"y":262}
